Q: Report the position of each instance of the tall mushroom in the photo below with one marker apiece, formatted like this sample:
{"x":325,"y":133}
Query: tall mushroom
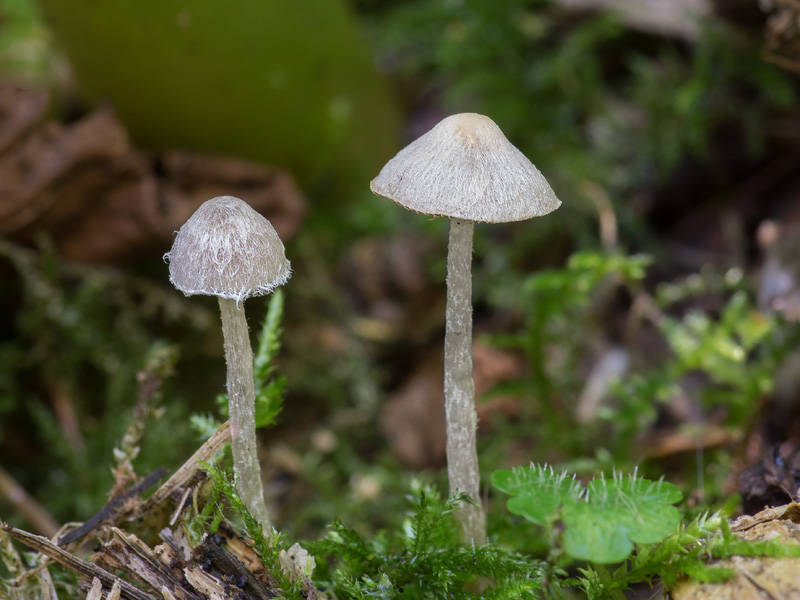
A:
{"x":464,"y":169}
{"x":227,"y":249}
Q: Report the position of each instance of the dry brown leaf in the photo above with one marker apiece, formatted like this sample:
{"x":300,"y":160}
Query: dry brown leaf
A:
{"x":103,"y":201}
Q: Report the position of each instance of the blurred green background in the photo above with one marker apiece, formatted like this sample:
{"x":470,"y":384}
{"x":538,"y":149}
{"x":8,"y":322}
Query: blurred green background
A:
{"x":665,"y":140}
{"x":292,"y":85}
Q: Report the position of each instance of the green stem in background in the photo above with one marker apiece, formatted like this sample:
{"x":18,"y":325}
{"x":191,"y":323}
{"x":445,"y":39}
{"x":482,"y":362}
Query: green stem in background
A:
{"x":241,"y":403}
{"x":459,"y":386}
{"x":608,"y":582}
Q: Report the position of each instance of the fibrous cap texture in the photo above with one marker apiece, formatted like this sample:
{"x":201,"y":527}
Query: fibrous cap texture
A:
{"x":229,"y":250}
{"x":465,"y":168}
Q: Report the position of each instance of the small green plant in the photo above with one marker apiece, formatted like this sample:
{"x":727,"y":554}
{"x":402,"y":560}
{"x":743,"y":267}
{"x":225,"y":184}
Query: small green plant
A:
{"x":601,"y":521}
{"x":720,"y":348}
{"x":722,"y":358}
{"x":224,"y":494}
{"x":423,"y":559}
{"x":627,"y":521}
{"x":563,"y":308}
{"x":733,"y":351}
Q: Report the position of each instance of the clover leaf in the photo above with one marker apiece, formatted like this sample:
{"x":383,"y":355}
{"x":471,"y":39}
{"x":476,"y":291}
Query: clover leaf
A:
{"x":602,"y":521}
{"x":539,"y":492}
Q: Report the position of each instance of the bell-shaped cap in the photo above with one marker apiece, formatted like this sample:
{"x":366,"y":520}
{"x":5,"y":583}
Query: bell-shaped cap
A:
{"x":229,"y":250}
{"x":465,"y":168}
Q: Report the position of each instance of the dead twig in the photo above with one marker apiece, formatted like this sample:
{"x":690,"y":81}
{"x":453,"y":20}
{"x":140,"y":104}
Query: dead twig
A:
{"x":114,"y":510}
{"x":83,"y":568}
{"x":183,"y":475}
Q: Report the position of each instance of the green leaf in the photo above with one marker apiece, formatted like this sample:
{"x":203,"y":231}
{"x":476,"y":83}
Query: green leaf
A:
{"x":602,"y":522}
{"x":595,"y":535}
{"x":269,"y":341}
{"x":541,"y":491}
{"x":641,"y":507}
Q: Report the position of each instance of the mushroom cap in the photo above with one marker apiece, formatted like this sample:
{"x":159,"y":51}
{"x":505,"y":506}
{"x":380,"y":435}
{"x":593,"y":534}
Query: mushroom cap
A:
{"x":465,"y":168}
{"x":229,"y":250}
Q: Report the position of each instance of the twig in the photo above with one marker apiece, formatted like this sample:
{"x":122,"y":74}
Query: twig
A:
{"x":605,"y":214}
{"x":82,"y":567}
{"x":183,"y":475}
{"x":127,"y":552}
{"x":112,"y":509}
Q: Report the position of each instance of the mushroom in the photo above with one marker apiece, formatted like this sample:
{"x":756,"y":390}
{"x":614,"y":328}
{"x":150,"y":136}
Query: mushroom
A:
{"x":227,"y":249}
{"x":464,"y":169}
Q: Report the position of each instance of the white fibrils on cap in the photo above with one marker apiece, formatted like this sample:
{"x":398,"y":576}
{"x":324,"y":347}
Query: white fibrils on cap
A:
{"x":465,"y":168}
{"x":229,"y":250}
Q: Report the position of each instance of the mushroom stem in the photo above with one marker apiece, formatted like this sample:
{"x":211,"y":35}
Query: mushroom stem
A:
{"x":242,"y":408}
{"x":459,"y":386}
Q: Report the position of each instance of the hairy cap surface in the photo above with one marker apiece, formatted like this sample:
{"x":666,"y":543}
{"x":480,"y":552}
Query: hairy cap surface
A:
{"x":465,"y":168}
{"x":229,"y":250}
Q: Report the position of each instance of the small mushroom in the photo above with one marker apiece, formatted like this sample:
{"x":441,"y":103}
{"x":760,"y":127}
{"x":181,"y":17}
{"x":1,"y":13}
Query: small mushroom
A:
{"x":227,"y":249}
{"x":464,"y":169}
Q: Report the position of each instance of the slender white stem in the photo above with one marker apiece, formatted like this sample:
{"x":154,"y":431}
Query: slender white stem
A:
{"x":242,"y":408}
{"x":459,"y":386}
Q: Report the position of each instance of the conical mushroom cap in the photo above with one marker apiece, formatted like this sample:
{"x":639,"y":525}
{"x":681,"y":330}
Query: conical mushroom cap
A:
{"x":229,"y":250}
{"x":465,"y":168}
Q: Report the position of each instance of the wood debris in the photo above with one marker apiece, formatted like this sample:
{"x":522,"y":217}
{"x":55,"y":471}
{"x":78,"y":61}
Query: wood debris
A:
{"x":223,"y":566}
{"x":83,"y":568}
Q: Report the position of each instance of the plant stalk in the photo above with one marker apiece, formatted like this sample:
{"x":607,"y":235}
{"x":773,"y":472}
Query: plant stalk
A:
{"x":242,"y":412}
{"x":607,"y":579}
{"x":459,"y":386}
